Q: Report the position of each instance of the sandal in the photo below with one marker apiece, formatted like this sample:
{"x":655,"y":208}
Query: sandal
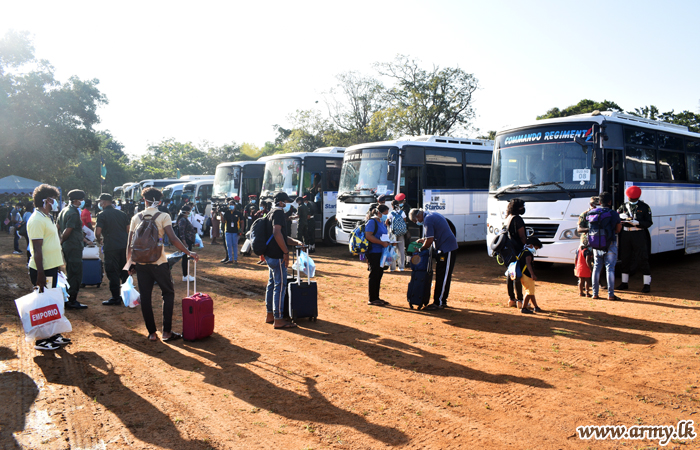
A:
{"x":287,"y":325}
{"x":153,"y":337}
{"x":173,"y":337}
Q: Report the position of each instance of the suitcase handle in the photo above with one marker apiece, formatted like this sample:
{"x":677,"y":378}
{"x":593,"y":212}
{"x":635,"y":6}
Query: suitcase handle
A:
{"x":298,"y":249}
{"x":188,"y":276}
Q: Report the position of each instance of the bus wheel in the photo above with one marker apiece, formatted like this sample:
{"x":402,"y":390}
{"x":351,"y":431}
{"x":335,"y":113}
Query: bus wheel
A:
{"x":329,"y":232}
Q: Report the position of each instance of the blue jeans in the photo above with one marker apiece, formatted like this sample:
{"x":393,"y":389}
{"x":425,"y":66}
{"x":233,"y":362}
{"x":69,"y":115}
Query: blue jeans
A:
{"x":274,"y":296}
{"x":609,"y":259}
{"x":232,"y":246}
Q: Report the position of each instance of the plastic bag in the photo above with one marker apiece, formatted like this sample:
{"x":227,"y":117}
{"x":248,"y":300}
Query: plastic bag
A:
{"x":130,"y":295}
{"x":42,"y":314}
{"x":63,"y":285}
{"x":305,"y":264}
{"x":389,"y":255}
{"x":198,"y":241}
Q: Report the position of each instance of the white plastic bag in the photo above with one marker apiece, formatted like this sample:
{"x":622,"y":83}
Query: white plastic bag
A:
{"x":305,"y":265}
{"x":63,"y":285}
{"x":130,"y":295}
{"x":198,"y":241}
{"x":389,"y":255}
{"x":42,"y":314}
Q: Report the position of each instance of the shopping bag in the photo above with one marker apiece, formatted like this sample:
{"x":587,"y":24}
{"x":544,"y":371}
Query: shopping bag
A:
{"x":305,"y":264}
{"x":63,"y":285}
{"x":388,"y":256}
{"x":130,"y":296}
{"x":198,"y":241}
{"x":42,"y":314}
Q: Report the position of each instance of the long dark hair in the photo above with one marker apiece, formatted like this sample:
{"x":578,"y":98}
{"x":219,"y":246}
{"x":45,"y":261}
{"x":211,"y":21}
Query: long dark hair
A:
{"x":515,"y":206}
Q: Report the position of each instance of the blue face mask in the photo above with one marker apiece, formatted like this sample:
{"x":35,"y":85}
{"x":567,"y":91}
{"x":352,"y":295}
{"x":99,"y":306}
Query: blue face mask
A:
{"x":287,"y":207}
{"x":99,"y":205}
{"x":401,"y":204}
{"x":82,"y":204}
{"x":634,"y":203}
{"x":419,"y":223}
{"x":231,"y":207}
{"x":252,"y":201}
{"x":385,"y":217}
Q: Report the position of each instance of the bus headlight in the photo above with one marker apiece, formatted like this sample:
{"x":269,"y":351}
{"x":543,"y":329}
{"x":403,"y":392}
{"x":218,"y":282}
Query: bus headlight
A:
{"x":570,"y":234}
{"x":491,"y":229}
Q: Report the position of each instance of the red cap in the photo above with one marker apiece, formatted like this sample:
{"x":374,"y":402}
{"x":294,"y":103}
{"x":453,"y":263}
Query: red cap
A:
{"x":633,"y":192}
{"x":400,"y":197}
{"x":236,"y":198}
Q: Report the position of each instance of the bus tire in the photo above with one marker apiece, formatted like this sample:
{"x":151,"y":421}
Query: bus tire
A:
{"x":329,"y":232}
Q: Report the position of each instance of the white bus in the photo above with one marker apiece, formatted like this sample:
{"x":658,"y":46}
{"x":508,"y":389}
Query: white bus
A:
{"x":199,"y":193}
{"x":119,"y":191}
{"x":437,"y":173}
{"x":173,"y":192}
{"x":240,"y":178}
{"x":550,"y":164}
{"x":161,"y":183}
{"x":316,"y":173}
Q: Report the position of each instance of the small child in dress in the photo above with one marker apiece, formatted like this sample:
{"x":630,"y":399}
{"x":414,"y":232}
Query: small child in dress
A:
{"x":582,"y":269}
{"x":528,"y":279}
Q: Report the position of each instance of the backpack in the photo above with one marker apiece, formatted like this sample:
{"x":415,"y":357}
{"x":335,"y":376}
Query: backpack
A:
{"x":358,"y":240}
{"x":600,"y":228}
{"x":503,"y":247}
{"x":261,"y":233}
{"x":22,"y":229}
{"x":398,"y":225}
{"x":146,"y":246}
{"x":515,"y":268}
{"x":190,"y":232}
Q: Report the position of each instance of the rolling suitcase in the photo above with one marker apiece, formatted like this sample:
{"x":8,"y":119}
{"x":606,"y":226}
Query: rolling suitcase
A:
{"x":302,"y":296}
{"x":247,"y":247}
{"x":421,"y":279}
{"x":197,"y":312}
{"x":92,"y":272}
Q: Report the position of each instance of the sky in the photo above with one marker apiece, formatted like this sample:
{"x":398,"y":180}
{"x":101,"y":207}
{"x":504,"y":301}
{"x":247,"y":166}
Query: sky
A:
{"x":228,"y":71}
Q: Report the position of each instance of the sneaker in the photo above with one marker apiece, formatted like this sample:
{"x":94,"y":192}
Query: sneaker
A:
{"x":45,"y":345}
{"x":538,"y":309}
{"x":646,"y":289}
{"x":400,"y":269}
{"x":75,"y":305}
{"x":16,"y":253}
{"x":526,"y":311}
{"x":184,"y":278}
{"x":191,"y":278}
{"x":622,"y":287}
{"x":59,"y":340}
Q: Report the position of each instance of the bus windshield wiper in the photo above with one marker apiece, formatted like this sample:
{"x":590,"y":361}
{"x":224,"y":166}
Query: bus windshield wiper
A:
{"x":513,"y":187}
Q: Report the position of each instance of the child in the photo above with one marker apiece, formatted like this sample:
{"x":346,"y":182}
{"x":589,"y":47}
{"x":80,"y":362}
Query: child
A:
{"x":582,"y":269}
{"x":528,"y":279}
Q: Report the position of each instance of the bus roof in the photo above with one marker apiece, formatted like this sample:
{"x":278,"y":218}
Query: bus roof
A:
{"x":334,"y":152}
{"x":431,"y":141}
{"x":260,"y":161}
{"x":610,"y":117}
{"x":198,"y":183}
{"x":186,"y":178}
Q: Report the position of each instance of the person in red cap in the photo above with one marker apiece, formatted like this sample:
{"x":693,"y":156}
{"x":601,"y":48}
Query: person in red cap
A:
{"x":635,"y":240}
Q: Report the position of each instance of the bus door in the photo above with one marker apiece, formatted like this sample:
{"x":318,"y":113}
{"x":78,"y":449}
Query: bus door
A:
{"x":411,"y":185}
{"x":613,"y":180}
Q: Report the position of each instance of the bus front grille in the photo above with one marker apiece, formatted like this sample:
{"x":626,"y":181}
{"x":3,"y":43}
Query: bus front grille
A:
{"x":348,"y":224}
{"x":541,"y":231}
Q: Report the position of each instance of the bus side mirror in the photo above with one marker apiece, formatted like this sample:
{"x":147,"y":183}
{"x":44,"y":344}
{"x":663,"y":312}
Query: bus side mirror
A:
{"x":390,"y":172}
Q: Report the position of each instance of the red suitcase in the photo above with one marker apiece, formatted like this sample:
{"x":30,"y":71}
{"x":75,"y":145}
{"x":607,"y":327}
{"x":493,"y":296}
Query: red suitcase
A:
{"x":197,"y":312}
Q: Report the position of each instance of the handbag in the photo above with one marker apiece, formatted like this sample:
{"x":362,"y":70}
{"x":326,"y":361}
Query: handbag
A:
{"x":42,"y":314}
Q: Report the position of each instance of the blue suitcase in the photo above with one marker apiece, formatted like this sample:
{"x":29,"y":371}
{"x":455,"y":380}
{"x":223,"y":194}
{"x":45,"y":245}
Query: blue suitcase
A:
{"x":92,"y":272}
{"x":418,"y":294}
{"x":302,"y":297}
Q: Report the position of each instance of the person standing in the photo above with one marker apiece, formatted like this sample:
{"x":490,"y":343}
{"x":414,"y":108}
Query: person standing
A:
{"x":232,"y":220}
{"x":634,"y":238}
{"x":85,"y":216}
{"x":25,"y":220}
{"x":186,"y":233}
{"x":302,"y":217}
{"x":516,"y":233}
{"x":277,"y":258}
{"x":437,"y":231}
{"x":112,"y":232}
{"x":70,"y":229}
{"x":250,"y":209}
{"x":607,"y":258}
{"x":314,"y":216}
{"x":157,"y":272}
{"x":15,"y":223}
{"x":397,"y":220}
{"x":378,"y":237}
{"x":46,"y":251}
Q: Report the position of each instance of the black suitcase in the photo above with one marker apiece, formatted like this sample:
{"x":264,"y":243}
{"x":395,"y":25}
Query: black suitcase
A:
{"x":421,"y":281}
{"x":302,"y":297}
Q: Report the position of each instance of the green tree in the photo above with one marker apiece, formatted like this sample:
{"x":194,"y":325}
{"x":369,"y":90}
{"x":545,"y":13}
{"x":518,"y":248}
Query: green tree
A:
{"x":46,"y":126}
{"x":685,"y":118}
{"x":490,"y":135}
{"x":437,"y":101}
{"x":582,"y":107}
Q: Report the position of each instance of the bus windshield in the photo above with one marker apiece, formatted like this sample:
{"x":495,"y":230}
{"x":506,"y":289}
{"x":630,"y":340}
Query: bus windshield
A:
{"x":282,"y":175}
{"x":226,"y":181}
{"x":527,"y":161}
{"x":365,"y":170}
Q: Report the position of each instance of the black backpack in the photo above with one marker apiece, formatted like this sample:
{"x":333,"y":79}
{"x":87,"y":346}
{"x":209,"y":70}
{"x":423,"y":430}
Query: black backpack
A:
{"x":261,"y":233}
{"x":503,"y":248}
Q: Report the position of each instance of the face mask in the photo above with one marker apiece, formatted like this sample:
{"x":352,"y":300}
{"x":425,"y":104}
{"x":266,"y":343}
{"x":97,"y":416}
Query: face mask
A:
{"x":419,"y":223}
{"x":82,"y":204}
{"x":522,"y":211}
{"x":287,"y":207}
{"x":634,"y":203}
{"x":385,"y":217}
{"x":99,"y":205}
{"x":532,"y":250}
{"x":401,"y":205}
{"x":252,"y":201}
{"x":231,"y":207}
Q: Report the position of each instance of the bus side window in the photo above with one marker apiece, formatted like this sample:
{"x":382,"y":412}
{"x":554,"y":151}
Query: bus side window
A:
{"x":693,"y":166}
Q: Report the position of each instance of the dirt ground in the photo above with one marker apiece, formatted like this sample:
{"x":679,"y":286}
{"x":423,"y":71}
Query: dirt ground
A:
{"x":477,"y":375}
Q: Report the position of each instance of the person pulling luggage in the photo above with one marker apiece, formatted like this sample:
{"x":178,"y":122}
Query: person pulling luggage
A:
{"x":437,"y":232}
{"x":314,"y":215}
{"x":634,"y":238}
{"x":375,"y":230}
